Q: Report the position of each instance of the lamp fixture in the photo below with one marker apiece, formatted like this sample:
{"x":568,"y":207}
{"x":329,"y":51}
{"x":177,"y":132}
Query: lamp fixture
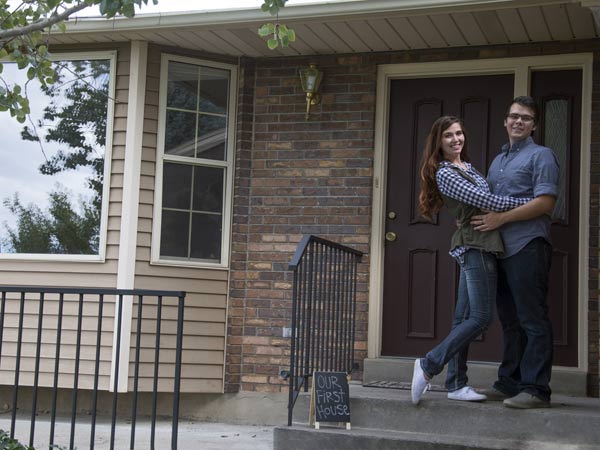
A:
{"x":311,"y":80}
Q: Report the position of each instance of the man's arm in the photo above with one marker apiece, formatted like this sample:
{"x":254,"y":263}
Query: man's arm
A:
{"x":544,"y":204}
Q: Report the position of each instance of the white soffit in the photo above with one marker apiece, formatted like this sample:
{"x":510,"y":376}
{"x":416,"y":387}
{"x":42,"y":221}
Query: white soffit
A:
{"x":352,"y":26}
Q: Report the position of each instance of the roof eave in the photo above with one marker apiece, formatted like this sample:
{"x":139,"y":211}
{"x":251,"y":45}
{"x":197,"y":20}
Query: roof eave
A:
{"x":347,"y":8}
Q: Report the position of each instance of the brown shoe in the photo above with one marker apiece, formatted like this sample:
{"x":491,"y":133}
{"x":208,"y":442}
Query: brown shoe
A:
{"x":494,"y":395}
{"x":526,"y":401}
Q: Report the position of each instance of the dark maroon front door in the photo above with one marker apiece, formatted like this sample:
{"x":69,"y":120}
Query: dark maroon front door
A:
{"x":420,"y":278}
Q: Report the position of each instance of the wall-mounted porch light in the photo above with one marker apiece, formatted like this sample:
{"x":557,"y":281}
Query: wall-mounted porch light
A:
{"x":311,"y":81}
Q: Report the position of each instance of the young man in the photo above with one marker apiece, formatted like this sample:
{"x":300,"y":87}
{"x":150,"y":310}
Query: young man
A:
{"x":523,"y":169}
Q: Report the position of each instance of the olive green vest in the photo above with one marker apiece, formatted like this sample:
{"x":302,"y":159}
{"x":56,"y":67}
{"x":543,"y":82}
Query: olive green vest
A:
{"x":466,"y":235}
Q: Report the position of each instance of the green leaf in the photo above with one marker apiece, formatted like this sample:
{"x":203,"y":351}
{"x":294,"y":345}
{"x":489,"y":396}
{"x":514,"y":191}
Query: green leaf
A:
{"x":272,"y":44}
{"x":291,"y":35}
{"x":282,"y":31}
{"x":62,"y":27}
{"x":266,"y":30}
{"x":128,"y":10}
{"x":31,"y":73}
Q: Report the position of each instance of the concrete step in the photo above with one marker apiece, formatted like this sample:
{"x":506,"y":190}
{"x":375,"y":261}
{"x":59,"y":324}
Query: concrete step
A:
{"x":302,"y":437}
{"x":572,"y":421}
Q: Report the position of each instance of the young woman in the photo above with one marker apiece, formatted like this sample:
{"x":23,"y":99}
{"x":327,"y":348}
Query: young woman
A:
{"x":447,"y":178}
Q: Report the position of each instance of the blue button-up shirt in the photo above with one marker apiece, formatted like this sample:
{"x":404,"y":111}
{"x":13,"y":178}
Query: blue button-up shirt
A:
{"x":524,"y":170}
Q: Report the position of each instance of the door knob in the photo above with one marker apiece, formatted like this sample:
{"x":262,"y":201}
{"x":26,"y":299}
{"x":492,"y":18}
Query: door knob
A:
{"x":391,"y":215}
{"x":390,"y":236}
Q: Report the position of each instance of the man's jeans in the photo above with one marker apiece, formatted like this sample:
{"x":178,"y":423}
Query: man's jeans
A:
{"x":473,"y":314}
{"x":523,"y":311}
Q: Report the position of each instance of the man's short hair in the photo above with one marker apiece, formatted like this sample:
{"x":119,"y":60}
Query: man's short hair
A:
{"x":529,"y":102}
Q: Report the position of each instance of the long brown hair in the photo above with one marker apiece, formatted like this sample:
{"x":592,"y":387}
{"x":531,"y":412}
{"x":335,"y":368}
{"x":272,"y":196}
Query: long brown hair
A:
{"x":430,"y":199}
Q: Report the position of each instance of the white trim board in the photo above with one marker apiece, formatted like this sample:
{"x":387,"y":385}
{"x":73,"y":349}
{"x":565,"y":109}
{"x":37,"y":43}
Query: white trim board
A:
{"x":130,"y":207}
{"x":521,"y":68}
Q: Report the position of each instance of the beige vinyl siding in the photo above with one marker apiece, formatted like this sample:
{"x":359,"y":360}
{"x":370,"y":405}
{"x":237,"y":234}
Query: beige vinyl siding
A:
{"x":70,"y":274}
{"x":48,"y":341}
{"x":206,"y":289}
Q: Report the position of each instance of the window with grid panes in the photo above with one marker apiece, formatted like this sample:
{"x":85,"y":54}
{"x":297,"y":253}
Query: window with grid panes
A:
{"x":196,"y":161}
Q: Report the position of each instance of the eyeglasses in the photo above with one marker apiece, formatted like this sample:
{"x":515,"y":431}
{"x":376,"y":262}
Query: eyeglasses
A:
{"x":524,"y":117}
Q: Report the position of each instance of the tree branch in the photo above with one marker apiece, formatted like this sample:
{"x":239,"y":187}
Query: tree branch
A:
{"x":38,"y":25}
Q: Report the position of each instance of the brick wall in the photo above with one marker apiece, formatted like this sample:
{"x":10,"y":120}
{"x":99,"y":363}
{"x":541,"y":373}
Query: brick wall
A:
{"x":297,"y":177}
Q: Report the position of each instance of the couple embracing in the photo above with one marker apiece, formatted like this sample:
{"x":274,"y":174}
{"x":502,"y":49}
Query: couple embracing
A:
{"x":502,"y":245}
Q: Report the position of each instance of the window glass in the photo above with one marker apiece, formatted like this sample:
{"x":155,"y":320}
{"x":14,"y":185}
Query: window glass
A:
{"x":180,"y":133}
{"x":195,"y":162}
{"x":175,"y":233}
{"x":214,"y":90}
{"x":212,"y":137}
{"x":556,"y":136}
{"x":177,"y":186}
{"x":206,"y":237}
{"x":208,"y":189}
{"x":182,"y":86}
{"x":52,"y":169}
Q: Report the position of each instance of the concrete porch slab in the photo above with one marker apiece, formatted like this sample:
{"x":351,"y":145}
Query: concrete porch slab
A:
{"x":565,"y":381}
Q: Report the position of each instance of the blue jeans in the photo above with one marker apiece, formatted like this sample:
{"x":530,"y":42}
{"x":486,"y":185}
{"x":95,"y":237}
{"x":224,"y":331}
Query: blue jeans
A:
{"x":473,"y":314}
{"x":526,"y":328}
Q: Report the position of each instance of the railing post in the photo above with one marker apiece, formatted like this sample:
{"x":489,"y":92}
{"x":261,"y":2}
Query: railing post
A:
{"x":36,"y":373}
{"x":293,"y":337}
{"x":17,"y":366}
{"x":136,"y":374}
{"x":96,"y":368}
{"x":156,"y":364}
{"x":179,"y":352}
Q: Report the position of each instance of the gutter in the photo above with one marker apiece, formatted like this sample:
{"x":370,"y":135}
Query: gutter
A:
{"x":333,"y":9}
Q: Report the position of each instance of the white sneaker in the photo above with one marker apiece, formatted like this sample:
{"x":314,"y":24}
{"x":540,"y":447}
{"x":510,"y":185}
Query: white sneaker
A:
{"x":420,"y":383}
{"x":467,"y":394}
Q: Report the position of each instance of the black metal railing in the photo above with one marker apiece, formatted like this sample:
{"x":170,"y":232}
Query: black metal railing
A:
{"x":50,"y":332}
{"x":323,"y":312}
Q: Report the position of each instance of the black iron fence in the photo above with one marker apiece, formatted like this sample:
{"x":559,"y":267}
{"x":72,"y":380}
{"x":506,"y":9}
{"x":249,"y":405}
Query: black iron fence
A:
{"x":24,"y":306}
{"x":323,"y":311}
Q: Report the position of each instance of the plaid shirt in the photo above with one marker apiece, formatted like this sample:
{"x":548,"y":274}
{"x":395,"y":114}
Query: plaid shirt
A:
{"x":453,"y":185}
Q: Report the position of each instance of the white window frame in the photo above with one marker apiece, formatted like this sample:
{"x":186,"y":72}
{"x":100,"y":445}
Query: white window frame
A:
{"x":227,"y":164}
{"x":100,"y":257}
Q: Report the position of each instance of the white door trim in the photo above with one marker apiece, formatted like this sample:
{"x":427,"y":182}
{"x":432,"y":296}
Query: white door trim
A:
{"x":521,"y":68}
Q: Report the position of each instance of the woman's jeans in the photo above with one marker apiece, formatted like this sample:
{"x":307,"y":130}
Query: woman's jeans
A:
{"x":473,"y":314}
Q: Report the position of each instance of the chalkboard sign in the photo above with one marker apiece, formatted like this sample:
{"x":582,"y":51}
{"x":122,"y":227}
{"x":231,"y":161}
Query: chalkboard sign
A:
{"x":330,"y":398}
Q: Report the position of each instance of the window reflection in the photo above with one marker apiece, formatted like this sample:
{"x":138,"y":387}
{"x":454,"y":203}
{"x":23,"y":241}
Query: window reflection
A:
{"x":52,"y":170}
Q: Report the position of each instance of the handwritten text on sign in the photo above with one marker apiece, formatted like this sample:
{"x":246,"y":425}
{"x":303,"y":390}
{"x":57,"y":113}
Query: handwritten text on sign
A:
{"x":332,"y":397}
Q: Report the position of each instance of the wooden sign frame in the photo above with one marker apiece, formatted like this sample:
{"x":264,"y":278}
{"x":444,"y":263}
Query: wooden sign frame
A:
{"x":330,"y":393}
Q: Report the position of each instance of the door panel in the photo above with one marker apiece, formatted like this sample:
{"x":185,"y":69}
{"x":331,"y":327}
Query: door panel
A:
{"x":559,"y":96}
{"x":420,"y":277}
